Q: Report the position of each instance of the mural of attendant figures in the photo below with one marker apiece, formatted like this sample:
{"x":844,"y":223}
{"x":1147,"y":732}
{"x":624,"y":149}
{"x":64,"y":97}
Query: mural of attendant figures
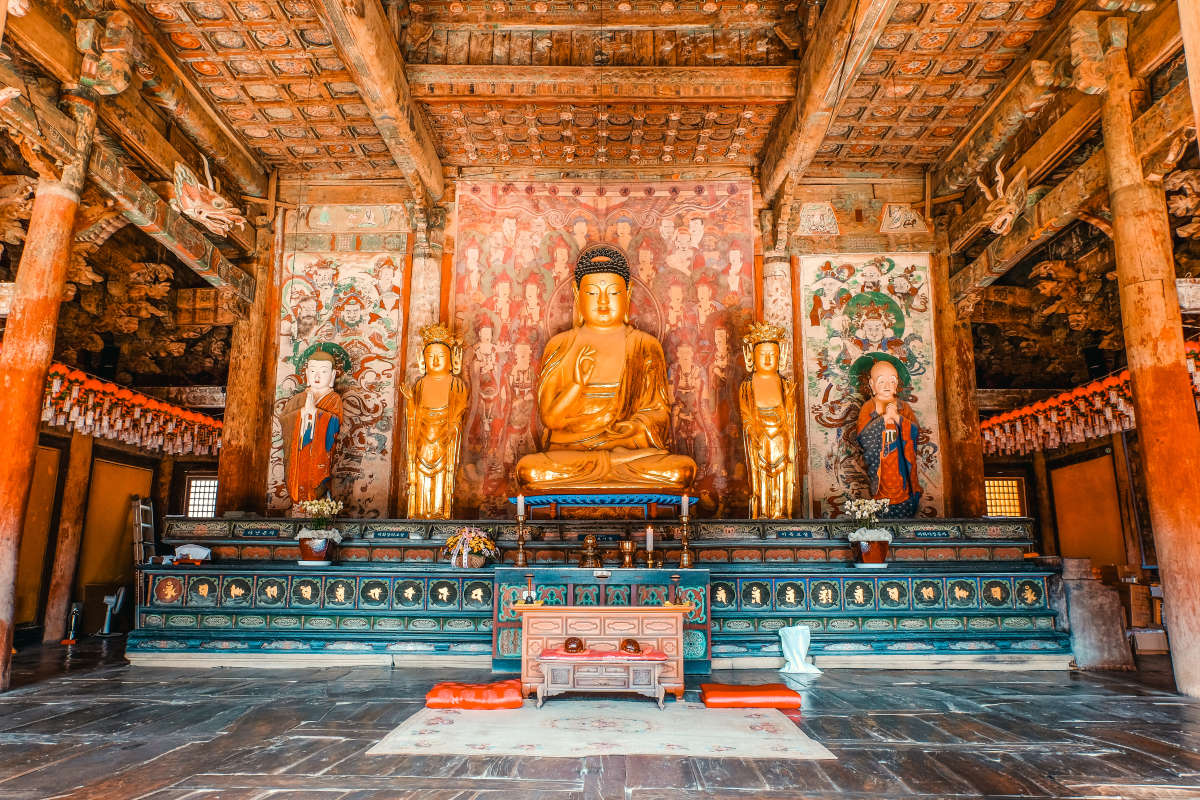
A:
{"x":888,"y":433}
{"x":434,"y":409}
{"x":767,"y":401}
{"x":311,"y":420}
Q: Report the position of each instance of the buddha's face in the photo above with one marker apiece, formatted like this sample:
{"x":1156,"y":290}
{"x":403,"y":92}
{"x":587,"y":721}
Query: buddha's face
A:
{"x":437,"y":359}
{"x":884,"y":381}
{"x":603,"y":299}
{"x":766,"y":357}
{"x":623,"y":230}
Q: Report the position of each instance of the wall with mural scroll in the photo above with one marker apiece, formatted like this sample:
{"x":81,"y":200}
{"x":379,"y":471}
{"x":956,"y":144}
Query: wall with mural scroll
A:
{"x":342,"y":282}
{"x":690,"y":247}
{"x":856,"y":304}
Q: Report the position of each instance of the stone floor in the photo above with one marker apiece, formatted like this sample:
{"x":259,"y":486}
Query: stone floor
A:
{"x":87,"y":726}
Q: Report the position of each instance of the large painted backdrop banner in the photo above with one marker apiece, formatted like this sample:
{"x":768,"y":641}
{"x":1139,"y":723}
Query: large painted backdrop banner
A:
{"x":856,"y":304}
{"x":342,"y":281}
{"x":690,"y":248}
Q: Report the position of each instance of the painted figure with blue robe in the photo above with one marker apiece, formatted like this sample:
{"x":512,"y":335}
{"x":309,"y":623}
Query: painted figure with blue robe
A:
{"x":888,"y":432}
{"x":311,"y":421}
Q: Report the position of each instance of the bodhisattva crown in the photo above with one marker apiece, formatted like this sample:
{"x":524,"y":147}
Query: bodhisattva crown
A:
{"x":440,"y":333}
{"x":764,"y":332}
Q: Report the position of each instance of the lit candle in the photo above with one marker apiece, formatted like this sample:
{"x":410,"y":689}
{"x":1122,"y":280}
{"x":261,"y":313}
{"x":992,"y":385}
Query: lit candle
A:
{"x":683,"y":507}
{"x":649,"y":539}
{"x":520,"y":505}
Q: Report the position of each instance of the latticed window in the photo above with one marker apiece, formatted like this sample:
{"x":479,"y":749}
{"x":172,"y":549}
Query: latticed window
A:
{"x":1005,"y":496}
{"x":201,"y":496}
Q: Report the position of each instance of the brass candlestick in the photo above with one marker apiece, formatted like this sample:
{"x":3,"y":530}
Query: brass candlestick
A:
{"x":627,"y":554}
{"x":590,"y":558}
{"x":522,"y":558}
{"x":685,"y":550}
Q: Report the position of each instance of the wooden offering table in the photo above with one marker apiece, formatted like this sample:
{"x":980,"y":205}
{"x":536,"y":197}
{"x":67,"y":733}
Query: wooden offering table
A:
{"x":545,"y":628}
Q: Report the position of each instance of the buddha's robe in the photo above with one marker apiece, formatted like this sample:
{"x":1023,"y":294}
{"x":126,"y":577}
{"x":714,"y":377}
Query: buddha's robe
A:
{"x":769,"y":437}
{"x":583,"y":453}
{"x":434,"y":441}
{"x":891,"y":458}
{"x":309,"y":450}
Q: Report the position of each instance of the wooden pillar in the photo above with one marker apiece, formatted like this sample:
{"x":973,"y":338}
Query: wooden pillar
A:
{"x":1047,"y":524}
{"x":260,"y":462}
{"x":1126,"y":501}
{"x":70,"y":537}
{"x":239,"y":488}
{"x":963,"y":459}
{"x":28,"y":346}
{"x":1168,"y":433}
{"x":1189,"y":27}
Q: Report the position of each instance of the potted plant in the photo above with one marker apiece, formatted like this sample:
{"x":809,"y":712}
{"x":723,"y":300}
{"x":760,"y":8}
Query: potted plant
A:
{"x":316,"y":536}
{"x":470,"y":547}
{"x":870,"y":543}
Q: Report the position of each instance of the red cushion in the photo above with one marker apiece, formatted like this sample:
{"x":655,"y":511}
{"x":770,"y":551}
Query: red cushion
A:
{"x":605,"y":655}
{"x":480,"y":696}
{"x":763,"y":695}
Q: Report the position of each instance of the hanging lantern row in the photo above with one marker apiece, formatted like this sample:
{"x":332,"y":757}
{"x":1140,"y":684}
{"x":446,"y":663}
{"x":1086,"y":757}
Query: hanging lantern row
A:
{"x":1095,"y":410}
{"x":77,"y":401}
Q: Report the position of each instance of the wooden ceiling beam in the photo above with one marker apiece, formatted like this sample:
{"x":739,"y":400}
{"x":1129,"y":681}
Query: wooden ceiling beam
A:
{"x":595,"y":20}
{"x":840,"y":45}
{"x":365,"y":40}
{"x":1155,"y":40}
{"x":465,"y":83}
{"x":1062,"y":205}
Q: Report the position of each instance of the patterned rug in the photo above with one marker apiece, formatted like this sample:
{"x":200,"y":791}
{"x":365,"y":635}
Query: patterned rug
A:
{"x":571,"y":728}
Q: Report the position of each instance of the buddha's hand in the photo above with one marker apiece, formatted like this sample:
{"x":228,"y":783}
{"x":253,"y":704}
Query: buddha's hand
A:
{"x":585,"y":364}
{"x":622,"y":434}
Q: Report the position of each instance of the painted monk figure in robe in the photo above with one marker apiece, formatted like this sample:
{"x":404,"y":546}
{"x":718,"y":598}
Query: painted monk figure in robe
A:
{"x":767,"y":401}
{"x":434,"y":410}
{"x":888,"y":433}
{"x":602,"y":395}
{"x":311,"y":421}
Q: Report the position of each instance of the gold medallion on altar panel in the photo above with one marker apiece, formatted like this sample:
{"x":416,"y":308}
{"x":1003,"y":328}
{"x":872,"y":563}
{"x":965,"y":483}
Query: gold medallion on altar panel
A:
{"x":859,"y":594}
{"x":409,"y":594}
{"x":1030,"y":593}
{"x":270,"y":592}
{"x":893,"y":594}
{"x":443,"y":594}
{"x":789,"y":595}
{"x":373,"y":593}
{"x":756,"y":594}
{"x":723,"y":595}
{"x":339,"y":593}
{"x":962,"y":593}
{"x":306,"y":591}
{"x":824,"y":595}
{"x":477,"y":594}
{"x":236,"y":591}
{"x":997,"y":592}
{"x":168,"y":590}
{"x":202,"y":591}
{"x":927,"y":594}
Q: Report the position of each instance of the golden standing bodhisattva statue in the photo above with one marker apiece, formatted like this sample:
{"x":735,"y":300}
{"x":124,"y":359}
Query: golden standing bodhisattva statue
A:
{"x":768,"y":406}
{"x":434,"y":409}
{"x":602,"y":395}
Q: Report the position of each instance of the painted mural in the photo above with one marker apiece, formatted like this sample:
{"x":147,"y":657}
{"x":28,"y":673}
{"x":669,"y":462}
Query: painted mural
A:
{"x":690,"y":247}
{"x":855,"y":305}
{"x":342,"y":282}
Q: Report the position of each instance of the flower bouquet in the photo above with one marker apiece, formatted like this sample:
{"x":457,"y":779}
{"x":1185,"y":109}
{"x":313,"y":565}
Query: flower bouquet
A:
{"x":314,"y":538}
{"x":872,"y":542}
{"x":470,"y":547}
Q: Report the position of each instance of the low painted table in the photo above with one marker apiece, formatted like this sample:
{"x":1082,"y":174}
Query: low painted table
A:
{"x":606,"y":674}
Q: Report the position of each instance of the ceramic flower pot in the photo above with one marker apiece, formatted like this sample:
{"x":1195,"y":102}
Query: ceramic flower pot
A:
{"x":315,"y":550}
{"x":872,"y":554}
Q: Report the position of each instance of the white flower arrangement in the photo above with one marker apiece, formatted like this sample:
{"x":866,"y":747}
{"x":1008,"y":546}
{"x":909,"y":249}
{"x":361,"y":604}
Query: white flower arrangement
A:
{"x":865,"y":509}
{"x":320,"y":512}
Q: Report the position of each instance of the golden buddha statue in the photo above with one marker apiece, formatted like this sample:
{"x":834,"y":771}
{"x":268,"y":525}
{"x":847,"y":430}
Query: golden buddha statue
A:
{"x":768,"y":405}
{"x":602,"y":396}
{"x":434,"y":409}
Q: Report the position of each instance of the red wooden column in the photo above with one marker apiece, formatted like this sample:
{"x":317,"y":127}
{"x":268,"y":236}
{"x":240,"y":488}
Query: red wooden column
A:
{"x":1189,"y":27}
{"x":963,"y":457}
{"x":28,"y":346}
{"x":239,"y":486}
{"x":70,"y":537}
{"x":1162,"y":391}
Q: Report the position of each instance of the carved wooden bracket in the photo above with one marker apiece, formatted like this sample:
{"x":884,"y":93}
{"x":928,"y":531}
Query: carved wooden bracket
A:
{"x":110,"y":54}
{"x":1087,"y":56}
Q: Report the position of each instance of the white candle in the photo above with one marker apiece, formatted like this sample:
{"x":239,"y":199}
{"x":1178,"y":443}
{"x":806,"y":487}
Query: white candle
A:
{"x":649,"y":539}
{"x":520,"y":505}
{"x":683,"y":507}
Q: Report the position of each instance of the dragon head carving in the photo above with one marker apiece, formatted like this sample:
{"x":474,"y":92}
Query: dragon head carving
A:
{"x":196,"y":201}
{"x":1004,"y":205}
